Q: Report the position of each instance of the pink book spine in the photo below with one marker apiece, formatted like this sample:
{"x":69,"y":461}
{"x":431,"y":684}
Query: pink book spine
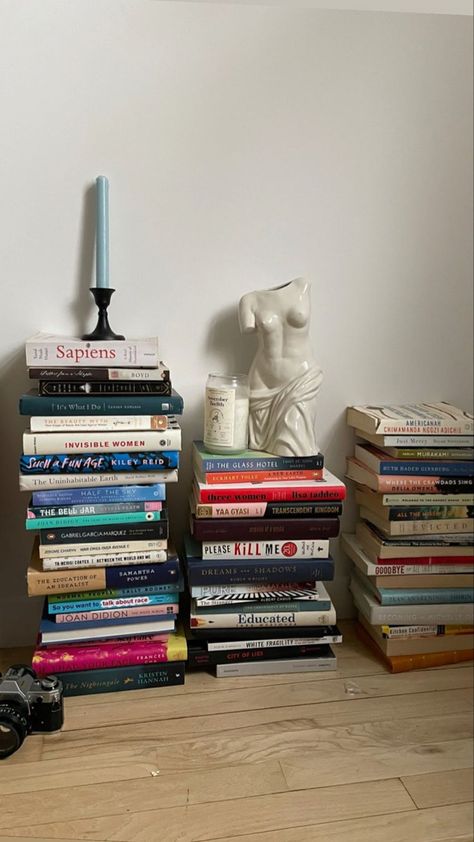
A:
{"x":71,"y":658}
{"x":116,"y":613}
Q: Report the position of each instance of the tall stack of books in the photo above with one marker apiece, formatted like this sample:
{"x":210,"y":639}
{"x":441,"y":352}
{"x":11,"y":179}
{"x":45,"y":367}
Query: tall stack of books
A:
{"x":256,"y":559}
{"x":412,"y":550}
{"x":103,"y":443}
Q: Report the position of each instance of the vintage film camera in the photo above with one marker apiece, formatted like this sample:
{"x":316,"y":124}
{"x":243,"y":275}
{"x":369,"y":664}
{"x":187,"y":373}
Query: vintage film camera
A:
{"x":28,"y":705}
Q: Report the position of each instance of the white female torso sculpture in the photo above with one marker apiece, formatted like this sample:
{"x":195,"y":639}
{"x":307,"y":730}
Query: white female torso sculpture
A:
{"x":284,"y":378}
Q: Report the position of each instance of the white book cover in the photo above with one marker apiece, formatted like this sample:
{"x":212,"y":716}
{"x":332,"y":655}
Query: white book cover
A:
{"x":40,"y":444}
{"x":271,"y":642}
{"x":356,"y":553}
{"x":65,"y":351}
{"x":263,"y":620}
{"x":416,"y":441}
{"x":93,"y":423}
{"x":438,"y":418}
{"x":266,"y":593}
{"x":44,"y":482}
{"x":74,"y":562}
{"x":279,"y":666}
{"x":100,"y":548}
{"x":103,"y":633}
{"x":235,"y":550}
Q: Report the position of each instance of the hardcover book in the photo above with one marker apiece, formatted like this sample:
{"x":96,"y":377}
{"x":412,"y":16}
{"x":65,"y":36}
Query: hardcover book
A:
{"x":113,"y":387}
{"x":259,"y":528}
{"x":97,"y":423}
{"x":98,"y":578}
{"x":377,"y":614}
{"x":439,"y":418}
{"x":251,"y":460}
{"x":105,"y":532}
{"x":99,"y":463}
{"x":396,"y":441}
{"x":86,"y":496}
{"x":33,"y":404}
{"x":265,"y":549}
{"x":159,"y":440}
{"x":161,"y":372}
{"x":134,"y":677}
{"x":314,"y":663}
{"x":381,"y":463}
{"x":62,"y":351}
{"x":412,"y":484}
{"x":48,"y":482}
{"x":329,"y":488}
{"x":264,"y":510}
{"x":235,"y":594}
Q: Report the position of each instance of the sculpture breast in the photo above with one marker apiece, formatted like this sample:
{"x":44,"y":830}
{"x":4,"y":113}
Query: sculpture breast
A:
{"x":284,"y":378}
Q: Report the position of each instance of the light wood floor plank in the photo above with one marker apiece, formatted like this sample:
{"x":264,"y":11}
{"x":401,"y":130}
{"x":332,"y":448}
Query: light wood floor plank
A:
{"x":232,"y":819}
{"x":436,"y":789}
{"x":443,"y":824}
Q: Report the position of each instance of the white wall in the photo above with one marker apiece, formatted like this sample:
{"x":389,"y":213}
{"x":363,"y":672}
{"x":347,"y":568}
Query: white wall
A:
{"x":245,"y":146}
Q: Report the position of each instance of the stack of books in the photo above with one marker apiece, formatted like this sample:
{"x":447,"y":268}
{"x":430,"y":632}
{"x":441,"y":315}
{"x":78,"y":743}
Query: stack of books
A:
{"x":412,"y":550}
{"x":101,"y":447}
{"x":256,"y":559}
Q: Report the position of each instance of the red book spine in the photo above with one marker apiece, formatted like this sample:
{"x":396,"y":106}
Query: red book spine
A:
{"x":261,"y":476}
{"x":270,"y":495}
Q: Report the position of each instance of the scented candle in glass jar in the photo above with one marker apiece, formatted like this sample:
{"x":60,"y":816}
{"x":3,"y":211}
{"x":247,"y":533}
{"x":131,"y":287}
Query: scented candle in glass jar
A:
{"x":226,"y":413}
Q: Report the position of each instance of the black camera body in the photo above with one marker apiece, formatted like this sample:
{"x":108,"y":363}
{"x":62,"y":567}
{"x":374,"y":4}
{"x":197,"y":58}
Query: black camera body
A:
{"x":28,"y":705}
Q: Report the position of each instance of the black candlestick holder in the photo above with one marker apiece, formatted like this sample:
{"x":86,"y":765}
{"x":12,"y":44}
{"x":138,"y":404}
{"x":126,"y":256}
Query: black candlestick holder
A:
{"x":102,"y":296}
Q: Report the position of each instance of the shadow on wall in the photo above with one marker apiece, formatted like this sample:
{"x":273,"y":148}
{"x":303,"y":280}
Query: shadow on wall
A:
{"x":83,"y":306}
{"x":15,"y":542}
{"x":235,"y":353}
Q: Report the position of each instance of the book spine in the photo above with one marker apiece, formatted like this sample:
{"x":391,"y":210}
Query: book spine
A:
{"x":88,"y":496}
{"x":72,"y":562}
{"x":277,"y":667}
{"x":107,"y":548}
{"x":248,"y":529}
{"x":69,"y":658}
{"x":97,"y":373}
{"x":64,"y":463}
{"x":263,"y":620}
{"x":35,"y":444}
{"x":102,"y":405}
{"x":405,"y":663}
{"x":265,"y":550}
{"x":171,"y":592}
{"x":55,"y":351}
{"x":422,"y":596}
{"x":109,"y":387}
{"x":115,"y":614}
{"x":33,"y":523}
{"x":427,"y":441}
{"x":266,"y":510}
{"x":418,"y":527}
{"x":91,"y":423}
{"x":463,"y":454}
{"x":260,"y":476}
{"x":371,"y":569}
{"x":267,"y":643}
{"x":204,"y":658}
{"x":427,"y":499}
{"x":104,"y":532}
{"x":393,"y":484}
{"x":260,"y":463}
{"x":429,"y":513}
{"x":394,"y":632}
{"x":292,"y":493}
{"x":222,"y":573}
{"x":86,"y":682}
{"x":43,"y":512}
{"x":46,"y":482}
{"x":61,"y":581}
{"x":437,"y":469}
{"x":287,"y":606}
{"x":69,"y":606}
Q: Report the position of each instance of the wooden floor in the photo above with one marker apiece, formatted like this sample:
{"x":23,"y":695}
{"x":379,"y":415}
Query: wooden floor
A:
{"x":354,"y":756}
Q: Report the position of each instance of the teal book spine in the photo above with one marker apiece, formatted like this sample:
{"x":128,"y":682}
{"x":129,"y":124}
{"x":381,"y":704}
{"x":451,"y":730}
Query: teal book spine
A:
{"x":87,"y":682}
{"x":422,"y":596}
{"x":90,"y":520}
{"x":105,"y":604}
{"x":33,"y":404}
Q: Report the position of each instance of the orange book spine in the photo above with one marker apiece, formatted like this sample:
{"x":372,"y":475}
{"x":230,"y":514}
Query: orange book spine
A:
{"x":261,"y":476}
{"x":405,"y":663}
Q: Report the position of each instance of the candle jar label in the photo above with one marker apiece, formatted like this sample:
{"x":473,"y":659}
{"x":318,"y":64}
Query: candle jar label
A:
{"x":219,"y":415}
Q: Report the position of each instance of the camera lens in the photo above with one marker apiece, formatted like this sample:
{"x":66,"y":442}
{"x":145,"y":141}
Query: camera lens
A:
{"x":13,"y":728}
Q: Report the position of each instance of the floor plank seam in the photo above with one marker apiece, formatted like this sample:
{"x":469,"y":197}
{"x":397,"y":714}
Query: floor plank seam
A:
{"x":408,"y":793}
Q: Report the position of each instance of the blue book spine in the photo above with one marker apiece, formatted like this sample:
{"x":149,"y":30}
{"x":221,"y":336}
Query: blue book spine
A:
{"x":438,"y":469}
{"x":138,"y":676}
{"x":234,"y":573}
{"x":99,"y":463}
{"x":33,"y":404}
{"x":108,"y":494}
{"x":115,"y":593}
{"x":432,"y":596}
{"x":51,"y":626}
{"x":90,"y":520}
{"x":104,"y":604}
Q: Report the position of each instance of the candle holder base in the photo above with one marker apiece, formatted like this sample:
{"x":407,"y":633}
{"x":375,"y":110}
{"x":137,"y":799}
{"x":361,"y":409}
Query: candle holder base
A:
{"x":102,"y":331}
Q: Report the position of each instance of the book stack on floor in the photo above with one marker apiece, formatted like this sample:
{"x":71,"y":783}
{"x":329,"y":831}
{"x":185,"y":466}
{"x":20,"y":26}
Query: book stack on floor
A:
{"x":256,"y":559}
{"x":102,"y":445}
{"x":412,"y":550}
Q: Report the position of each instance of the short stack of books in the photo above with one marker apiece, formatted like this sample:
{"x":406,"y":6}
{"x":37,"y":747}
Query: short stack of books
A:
{"x":103,"y":443}
{"x":256,"y":560}
{"x":412,"y":550}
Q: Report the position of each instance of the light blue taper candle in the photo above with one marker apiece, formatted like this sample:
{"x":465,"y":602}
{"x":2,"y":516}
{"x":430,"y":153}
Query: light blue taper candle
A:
{"x":102,"y":232}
